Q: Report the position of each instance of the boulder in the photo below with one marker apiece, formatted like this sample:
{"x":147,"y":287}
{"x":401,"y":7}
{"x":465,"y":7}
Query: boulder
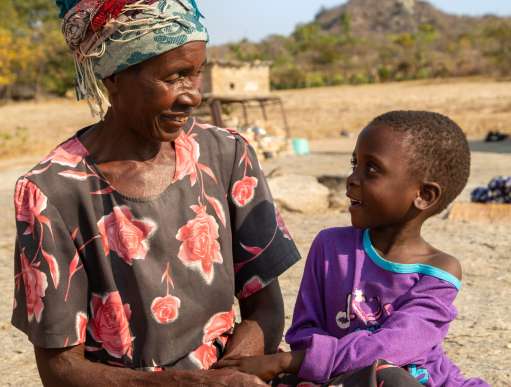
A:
{"x":299,"y":193}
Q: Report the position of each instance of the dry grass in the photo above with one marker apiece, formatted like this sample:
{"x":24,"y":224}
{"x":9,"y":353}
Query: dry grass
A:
{"x":478,"y":105}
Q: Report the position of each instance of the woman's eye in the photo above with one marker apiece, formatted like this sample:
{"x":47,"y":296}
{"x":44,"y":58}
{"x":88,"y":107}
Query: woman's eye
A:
{"x":173,"y":78}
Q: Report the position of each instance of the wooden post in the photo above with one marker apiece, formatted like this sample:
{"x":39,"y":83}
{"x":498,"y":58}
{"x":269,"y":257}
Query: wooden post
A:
{"x":216,"y":113}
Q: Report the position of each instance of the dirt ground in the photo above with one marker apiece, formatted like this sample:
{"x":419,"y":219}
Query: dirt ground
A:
{"x":479,"y":340}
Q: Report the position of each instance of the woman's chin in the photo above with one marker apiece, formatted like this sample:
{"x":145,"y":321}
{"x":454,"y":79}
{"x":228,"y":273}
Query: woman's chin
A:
{"x":169,"y":130}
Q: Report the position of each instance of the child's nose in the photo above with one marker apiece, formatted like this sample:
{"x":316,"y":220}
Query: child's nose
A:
{"x":353,"y":180}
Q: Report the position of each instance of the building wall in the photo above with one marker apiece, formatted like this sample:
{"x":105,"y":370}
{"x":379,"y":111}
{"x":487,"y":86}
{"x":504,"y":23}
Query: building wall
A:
{"x":237,"y":80}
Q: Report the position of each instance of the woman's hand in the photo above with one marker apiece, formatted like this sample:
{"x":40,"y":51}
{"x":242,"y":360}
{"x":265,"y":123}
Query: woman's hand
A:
{"x":266,"y":367}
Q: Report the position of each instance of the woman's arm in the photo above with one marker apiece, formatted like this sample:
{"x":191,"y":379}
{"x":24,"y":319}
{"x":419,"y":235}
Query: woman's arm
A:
{"x":69,"y":368}
{"x":262,"y":324}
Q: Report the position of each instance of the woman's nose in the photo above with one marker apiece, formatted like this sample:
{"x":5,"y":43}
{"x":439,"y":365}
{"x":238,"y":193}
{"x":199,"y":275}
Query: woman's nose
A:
{"x":190,"y":95}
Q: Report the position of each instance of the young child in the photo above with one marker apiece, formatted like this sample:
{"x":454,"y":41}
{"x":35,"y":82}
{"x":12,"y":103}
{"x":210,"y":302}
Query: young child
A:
{"x":378,"y":290}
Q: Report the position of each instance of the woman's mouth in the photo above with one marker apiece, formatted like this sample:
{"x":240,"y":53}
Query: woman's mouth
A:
{"x":177,"y":119}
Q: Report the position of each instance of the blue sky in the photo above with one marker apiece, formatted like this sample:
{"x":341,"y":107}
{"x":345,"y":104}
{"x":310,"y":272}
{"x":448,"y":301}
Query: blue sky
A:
{"x":231,"y":20}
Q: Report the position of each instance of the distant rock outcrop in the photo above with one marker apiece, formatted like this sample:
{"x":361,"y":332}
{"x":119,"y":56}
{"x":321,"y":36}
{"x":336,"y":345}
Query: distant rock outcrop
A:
{"x":371,"y":17}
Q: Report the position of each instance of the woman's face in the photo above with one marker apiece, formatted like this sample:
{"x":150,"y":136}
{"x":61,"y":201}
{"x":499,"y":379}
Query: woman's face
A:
{"x":155,"y":98}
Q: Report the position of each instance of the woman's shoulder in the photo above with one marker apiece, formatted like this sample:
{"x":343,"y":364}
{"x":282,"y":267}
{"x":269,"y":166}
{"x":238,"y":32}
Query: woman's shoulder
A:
{"x":228,"y":138}
{"x":64,"y":164}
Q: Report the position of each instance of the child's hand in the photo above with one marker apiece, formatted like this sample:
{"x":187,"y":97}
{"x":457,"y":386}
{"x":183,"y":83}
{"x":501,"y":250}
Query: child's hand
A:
{"x":266,"y":367}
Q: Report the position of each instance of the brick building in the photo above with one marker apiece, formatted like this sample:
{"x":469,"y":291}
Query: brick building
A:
{"x":228,"y":78}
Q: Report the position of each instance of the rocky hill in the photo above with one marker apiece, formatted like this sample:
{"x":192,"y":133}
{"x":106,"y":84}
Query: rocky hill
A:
{"x":381,"y":40}
{"x":369,"y":17}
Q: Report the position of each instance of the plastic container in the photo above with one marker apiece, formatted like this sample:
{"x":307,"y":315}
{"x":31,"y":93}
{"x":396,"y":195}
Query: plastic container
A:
{"x":300,"y":146}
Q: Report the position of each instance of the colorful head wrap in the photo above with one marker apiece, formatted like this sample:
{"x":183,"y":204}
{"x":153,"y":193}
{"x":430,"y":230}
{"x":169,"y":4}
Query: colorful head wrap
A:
{"x":108,"y":36}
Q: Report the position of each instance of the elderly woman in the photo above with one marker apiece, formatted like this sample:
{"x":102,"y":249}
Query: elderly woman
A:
{"x":134,"y":235}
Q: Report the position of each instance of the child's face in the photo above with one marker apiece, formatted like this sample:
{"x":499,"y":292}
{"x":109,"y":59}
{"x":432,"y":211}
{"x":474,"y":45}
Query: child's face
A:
{"x":381,"y":187}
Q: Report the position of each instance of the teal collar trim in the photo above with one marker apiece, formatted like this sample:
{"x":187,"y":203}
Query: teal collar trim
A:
{"x":406,"y":268}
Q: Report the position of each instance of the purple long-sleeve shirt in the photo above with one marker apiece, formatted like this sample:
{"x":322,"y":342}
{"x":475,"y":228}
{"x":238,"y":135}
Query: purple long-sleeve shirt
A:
{"x":354,"y":307}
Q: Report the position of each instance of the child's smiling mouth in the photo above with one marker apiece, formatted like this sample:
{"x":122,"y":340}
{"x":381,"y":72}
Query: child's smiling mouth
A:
{"x":354,"y":202}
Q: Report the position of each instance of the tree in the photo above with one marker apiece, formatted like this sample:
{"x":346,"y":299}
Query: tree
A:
{"x":499,"y":44}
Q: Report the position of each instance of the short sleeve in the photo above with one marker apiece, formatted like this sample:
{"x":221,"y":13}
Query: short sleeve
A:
{"x":50,"y":299}
{"x":262,"y":246}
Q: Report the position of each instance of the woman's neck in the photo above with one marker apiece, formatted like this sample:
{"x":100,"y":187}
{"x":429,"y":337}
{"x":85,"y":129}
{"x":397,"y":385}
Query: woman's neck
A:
{"x":112,"y":140}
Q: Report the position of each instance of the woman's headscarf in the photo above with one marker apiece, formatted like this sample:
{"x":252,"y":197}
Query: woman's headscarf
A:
{"x":108,"y":36}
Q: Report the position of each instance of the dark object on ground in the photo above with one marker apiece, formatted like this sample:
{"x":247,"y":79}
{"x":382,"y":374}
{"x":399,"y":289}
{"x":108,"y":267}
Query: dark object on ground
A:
{"x":497,"y":191}
{"x":495,"y":137}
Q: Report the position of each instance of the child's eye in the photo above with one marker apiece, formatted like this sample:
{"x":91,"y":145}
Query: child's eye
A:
{"x":372,"y":169}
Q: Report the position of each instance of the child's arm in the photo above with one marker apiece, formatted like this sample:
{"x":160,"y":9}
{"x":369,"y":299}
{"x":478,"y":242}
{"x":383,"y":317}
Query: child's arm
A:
{"x":266,"y":367}
{"x":419,"y":323}
{"x":309,"y":311}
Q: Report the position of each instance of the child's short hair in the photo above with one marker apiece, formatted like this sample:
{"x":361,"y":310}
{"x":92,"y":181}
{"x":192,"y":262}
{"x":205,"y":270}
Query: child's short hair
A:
{"x":440,"y":150}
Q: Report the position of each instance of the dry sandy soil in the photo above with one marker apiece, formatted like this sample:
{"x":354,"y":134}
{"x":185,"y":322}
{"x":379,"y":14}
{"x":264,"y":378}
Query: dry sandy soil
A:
{"x":479,"y":340}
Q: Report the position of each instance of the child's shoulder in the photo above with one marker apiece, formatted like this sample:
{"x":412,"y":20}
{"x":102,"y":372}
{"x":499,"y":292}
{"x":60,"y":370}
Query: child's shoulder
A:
{"x":337,"y":234}
{"x":336,"y":240}
{"x":445,"y":262}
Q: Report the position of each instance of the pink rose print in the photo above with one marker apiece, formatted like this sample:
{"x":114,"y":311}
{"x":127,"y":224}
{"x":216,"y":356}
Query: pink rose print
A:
{"x":165,"y":309}
{"x":281,"y":225}
{"x":187,"y":157}
{"x":81,"y":328}
{"x":29,"y":203}
{"x":200,"y":248}
{"x":204,"y":356}
{"x":109,"y":324}
{"x":68,"y":154}
{"x":127,"y":236}
{"x":243,"y":191}
{"x":252,"y":286}
{"x":35,"y":287}
{"x":217,"y":325}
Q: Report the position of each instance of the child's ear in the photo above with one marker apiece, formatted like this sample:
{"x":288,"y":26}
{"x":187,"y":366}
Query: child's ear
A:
{"x":428,"y":196}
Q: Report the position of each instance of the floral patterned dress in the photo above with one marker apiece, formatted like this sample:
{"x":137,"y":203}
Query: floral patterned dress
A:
{"x":145,"y":283}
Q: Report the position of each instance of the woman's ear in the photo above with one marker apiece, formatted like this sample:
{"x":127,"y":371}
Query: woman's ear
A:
{"x":428,"y":196}
{"x":112,"y":84}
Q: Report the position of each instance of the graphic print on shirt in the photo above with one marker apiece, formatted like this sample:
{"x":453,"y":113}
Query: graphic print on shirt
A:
{"x":371,"y":312}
